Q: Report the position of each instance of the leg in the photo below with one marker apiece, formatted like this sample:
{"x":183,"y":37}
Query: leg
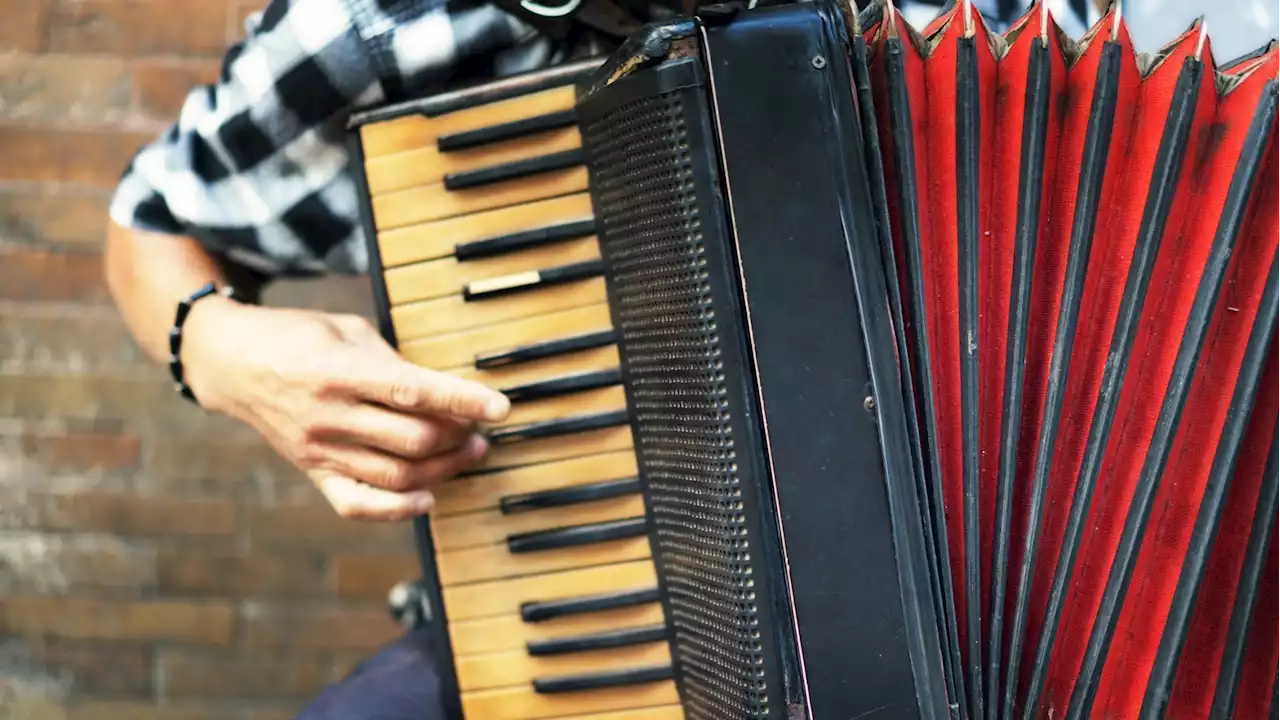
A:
{"x":397,"y":683}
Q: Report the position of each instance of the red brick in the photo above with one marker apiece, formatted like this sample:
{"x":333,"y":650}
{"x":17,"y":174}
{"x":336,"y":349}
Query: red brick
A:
{"x":78,"y":339}
{"x":141,"y":710}
{"x":324,"y":628}
{"x":29,"y":703}
{"x":119,"y":670}
{"x":63,"y":89}
{"x":206,"y":623}
{"x":282,"y":712}
{"x":55,"y":219}
{"x":96,"y":158}
{"x":25,"y":25}
{"x":343,"y":663}
{"x":47,"y":457}
{"x":52,"y":276}
{"x":319,"y":527}
{"x":82,"y":451}
{"x":256,"y":575}
{"x":53,"y":565}
{"x":139,"y":27}
{"x":330,"y":294}
{"x":188,"y":673}
{"x":131,"y":515}
{"x":161,"y":86}
{"x":249,"y":470}
{"x":237,"y":23}
{"x":150,"y":401}
{"x":372,"y":576}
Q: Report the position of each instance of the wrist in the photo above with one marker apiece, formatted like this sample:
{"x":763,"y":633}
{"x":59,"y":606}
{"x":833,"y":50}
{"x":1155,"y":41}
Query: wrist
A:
{"x":203,"y":335}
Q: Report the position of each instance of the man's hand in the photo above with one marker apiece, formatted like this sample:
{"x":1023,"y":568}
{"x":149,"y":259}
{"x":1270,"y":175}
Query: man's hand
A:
{"x":371,"y":430}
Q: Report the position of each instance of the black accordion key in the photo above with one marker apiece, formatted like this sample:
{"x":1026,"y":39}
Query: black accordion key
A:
{"x":601,"y":680}
{"x":523,"y":240}
{"x":551,"y":609}
{"x":554,"y":428}
{"x":577,"y":535}
{"x":571,"y":495}
{"x":513,"y":170}
{"x":550,"y":348}
{"x":598,"y":641}
{"x":524,"y":127}
{"x":563,"y":385}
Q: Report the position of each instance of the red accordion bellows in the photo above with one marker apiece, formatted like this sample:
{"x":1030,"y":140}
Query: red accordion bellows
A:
{"x":1085,"y":245}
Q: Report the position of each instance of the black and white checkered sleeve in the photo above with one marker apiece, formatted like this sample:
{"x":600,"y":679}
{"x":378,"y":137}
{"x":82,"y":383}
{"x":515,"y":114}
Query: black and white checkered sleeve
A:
{"x":254,"y":167}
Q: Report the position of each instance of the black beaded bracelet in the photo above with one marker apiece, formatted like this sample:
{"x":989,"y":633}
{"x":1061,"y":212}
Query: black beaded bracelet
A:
{"x":175,"y":335}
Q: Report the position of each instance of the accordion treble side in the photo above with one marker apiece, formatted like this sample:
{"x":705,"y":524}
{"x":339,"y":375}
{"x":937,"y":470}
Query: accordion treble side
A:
{"x":856,"y":370}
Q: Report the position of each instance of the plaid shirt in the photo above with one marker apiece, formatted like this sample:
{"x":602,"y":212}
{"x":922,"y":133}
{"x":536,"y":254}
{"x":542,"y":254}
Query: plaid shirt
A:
{"x":254,"y":167}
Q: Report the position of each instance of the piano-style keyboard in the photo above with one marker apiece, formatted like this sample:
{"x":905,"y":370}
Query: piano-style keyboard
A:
{"x":490,"y":270}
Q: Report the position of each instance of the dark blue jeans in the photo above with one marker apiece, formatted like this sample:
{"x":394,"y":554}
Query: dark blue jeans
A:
{"x":398,"y":683}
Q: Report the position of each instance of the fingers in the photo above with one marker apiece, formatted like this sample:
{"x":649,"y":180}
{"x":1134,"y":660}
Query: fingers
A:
{"x":355,"y":500}
{"x":410,"y":437}
{"x":396,"y":474}
{"x":376,"y":373}
{"x":402,"y":385}
{"x":362,"y":485}
{"x":417,"y":389}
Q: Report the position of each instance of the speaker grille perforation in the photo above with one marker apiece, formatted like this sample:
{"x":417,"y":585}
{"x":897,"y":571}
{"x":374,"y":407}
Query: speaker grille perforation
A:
{"x":651,"y":233}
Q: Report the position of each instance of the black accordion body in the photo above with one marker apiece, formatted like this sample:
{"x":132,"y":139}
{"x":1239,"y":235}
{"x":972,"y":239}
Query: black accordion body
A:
{"x":858,"y":371}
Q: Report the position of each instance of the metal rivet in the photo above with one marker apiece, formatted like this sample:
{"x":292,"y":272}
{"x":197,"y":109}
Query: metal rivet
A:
{"x":818,"y":62}
{"x":869,"y":403}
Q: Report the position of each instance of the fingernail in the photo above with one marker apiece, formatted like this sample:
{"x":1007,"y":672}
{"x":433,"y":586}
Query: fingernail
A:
{"x":425,"y":503}
{"x":497,"y":408}
{"x":477,"y":446}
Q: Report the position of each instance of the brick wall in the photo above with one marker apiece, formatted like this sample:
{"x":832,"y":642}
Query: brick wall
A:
{"x":154,"y":562}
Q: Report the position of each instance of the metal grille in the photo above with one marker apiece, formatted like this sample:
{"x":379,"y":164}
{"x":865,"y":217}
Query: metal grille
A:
{"x":643,"y":182}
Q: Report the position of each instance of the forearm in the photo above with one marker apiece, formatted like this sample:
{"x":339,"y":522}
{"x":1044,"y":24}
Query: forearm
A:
{"x":148,"y":274}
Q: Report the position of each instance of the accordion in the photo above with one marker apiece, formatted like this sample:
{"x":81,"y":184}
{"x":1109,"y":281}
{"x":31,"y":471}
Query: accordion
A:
{"x":857,"y":370}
